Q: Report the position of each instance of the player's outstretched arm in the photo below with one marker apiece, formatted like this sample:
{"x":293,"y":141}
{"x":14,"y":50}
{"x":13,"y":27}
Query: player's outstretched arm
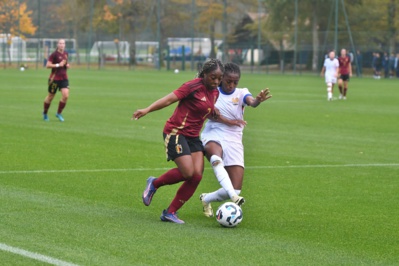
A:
{"x":229,"y":122}
{"x":261,"y":97}
{"x":157,"y":105}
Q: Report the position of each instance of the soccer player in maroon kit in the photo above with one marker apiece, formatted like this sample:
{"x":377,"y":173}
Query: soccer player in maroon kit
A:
{"x":345,"y":70}
{"x":181,"y":135}
{"x":58,"y":80}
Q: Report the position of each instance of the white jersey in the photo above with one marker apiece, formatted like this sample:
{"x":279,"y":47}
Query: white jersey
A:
{"x":331,"y":67}
{"x":232,"y":107}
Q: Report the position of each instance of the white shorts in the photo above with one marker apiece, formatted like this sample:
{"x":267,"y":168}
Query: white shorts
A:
{"x":330,"y":79}
{"x":233,"y":151}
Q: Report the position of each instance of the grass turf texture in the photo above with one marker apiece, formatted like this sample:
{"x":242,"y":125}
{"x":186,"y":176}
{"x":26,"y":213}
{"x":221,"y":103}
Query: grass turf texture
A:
{"x":321,"y":181}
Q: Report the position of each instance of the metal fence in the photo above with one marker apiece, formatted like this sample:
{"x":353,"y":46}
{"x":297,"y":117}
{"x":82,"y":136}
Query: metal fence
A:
{"x":187,"y":53}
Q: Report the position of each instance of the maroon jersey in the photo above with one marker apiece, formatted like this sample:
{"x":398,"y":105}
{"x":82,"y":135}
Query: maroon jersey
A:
{"x":344,"y":63}
{"x":59,"y":72}
{"x":196,"y":103}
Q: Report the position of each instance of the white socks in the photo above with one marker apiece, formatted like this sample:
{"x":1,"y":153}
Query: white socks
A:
{"x":329,"y":91}
{"x":221,"y":175}
{"x":227,"y":191}
{"x":218,"y":195}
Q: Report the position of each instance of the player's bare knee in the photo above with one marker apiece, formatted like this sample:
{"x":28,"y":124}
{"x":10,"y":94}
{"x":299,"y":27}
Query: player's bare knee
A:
{"x":187,"y":174}
{"x":187,"y":170}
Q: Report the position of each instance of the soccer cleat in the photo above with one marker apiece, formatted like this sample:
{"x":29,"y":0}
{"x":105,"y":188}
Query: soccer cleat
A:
{"x":344,"y":98}
{"x":238,"y":200}
{"x":341,"y":97}
{"x":59,"y":116}
{"x":170,"y":217}
{"x":45,"y":117}
{"x":329,"y":99}
{"x":149,"y":191}
{"x":206,"y":207}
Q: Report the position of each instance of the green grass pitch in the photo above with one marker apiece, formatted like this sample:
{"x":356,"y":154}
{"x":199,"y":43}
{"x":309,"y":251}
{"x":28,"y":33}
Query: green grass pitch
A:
{"x":321,"y":183}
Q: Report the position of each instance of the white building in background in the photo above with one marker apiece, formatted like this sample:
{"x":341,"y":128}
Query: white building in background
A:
{"x":12,"y":48}
{"x":145,"y":51}
{"x":201,"y":46}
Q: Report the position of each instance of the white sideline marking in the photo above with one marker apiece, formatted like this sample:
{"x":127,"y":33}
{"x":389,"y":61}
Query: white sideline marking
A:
{"x":163,"y":169}
{"x":35,"y":256}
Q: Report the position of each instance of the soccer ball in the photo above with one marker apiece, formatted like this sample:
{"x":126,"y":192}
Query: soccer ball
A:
{"x":176,"y":71}
{"x":229,"y":214}
{"x":22,"y":69}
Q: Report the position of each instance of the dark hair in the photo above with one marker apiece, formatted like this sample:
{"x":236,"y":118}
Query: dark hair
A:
{"x":232,"y":68}
{"x":210,"y":65}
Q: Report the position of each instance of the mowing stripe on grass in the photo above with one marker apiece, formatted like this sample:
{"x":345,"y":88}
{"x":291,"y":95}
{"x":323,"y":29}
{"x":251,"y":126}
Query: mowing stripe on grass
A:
{"x":35,"y":256}
{"x":163,"y":169}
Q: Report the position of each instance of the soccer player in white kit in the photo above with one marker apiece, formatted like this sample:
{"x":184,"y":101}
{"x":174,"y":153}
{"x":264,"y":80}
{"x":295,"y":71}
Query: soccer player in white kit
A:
{"x":222,"y":138}
{"x":330,"y":71}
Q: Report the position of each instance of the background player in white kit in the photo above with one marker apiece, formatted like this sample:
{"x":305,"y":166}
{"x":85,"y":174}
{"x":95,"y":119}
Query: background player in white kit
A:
{"x":222,"y":138}
{"x":330,"y":70}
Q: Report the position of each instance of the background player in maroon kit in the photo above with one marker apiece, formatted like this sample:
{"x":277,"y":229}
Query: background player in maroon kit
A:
{"x":345,"y":70}
{"x":181,"y":134}
{"x":58,"y":80}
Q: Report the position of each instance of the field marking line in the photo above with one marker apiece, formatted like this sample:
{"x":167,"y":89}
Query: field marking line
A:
{"x":163,"y":169}
{"x":326,"y":166}
{"x":35,"y":256}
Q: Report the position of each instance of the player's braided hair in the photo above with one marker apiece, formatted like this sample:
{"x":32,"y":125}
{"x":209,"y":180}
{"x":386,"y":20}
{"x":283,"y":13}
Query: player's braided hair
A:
{"x":232,"y":68}
{"x":210,"y":65}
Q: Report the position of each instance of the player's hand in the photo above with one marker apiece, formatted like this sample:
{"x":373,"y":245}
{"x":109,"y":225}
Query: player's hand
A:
{"x":139,"y":113}
{"x":263,"y":95}
{"x":62,"y":63}
{"x":216,"y":114}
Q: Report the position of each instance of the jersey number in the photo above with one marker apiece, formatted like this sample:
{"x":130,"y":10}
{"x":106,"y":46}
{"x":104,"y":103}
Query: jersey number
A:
{"x":209,"y":111}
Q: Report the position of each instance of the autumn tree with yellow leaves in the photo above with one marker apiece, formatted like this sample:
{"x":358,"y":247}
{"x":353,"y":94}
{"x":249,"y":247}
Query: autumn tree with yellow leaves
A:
{"x":15,"y":20}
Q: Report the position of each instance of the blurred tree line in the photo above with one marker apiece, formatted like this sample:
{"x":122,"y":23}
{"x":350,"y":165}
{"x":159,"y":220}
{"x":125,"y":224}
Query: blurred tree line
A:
{"x":373,"y":24}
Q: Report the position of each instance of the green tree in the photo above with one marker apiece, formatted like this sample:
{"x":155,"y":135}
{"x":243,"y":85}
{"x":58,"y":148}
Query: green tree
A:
{"x":74,"y":15}
{"x":278,"y":26}
{"x":211,"y":12}
{"x":393,"y":23}
{"x":375,"y":24}
{"x":125,"y":18}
